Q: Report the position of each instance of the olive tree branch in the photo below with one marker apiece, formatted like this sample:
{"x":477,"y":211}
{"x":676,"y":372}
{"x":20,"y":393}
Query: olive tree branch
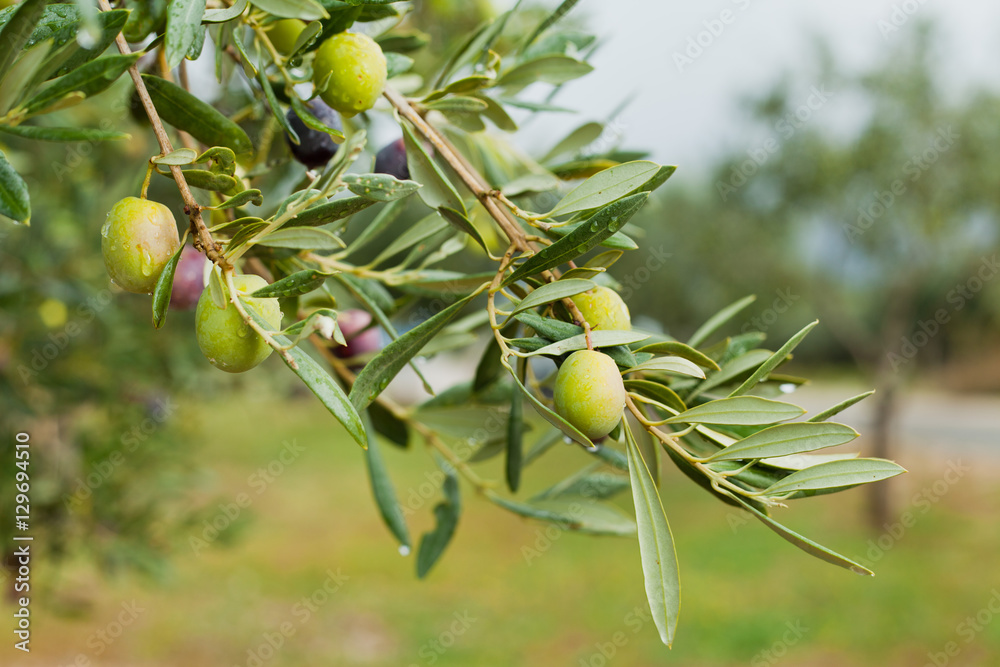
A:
{"x":203,"y":238}
{"x":719,"y":480}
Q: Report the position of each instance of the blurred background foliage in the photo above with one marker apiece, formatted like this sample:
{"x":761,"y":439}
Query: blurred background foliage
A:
{"x":81,"y":367}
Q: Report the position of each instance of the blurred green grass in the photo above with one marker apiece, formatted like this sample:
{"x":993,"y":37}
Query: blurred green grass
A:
{"x":744,"y":589}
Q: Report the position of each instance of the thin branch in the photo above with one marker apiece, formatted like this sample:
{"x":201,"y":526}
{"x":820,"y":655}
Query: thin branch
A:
{"x":485,"y":194}
{"x":203,"y":238}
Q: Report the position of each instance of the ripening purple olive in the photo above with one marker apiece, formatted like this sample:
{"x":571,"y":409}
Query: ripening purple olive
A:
{"x":189,"y":279}
{"x":391,"y":160}
{"x":315,"y":148}
{"x":360,"y":340}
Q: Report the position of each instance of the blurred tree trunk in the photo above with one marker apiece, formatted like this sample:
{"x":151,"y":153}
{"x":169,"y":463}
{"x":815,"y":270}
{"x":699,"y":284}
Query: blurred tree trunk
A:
{"x":879,"y":501}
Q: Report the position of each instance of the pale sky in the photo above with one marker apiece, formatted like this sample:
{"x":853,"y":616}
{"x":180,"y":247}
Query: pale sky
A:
{"x":690,"y":114}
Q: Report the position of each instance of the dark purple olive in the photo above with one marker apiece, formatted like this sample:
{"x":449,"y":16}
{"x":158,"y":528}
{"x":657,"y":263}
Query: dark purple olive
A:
{"x":315,"y":148}
{"x":391,"y":160}
{"x":188,"y":279}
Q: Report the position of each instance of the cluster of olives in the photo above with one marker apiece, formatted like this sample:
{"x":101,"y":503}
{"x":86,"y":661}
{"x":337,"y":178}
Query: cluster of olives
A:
{"x":349,"y":73}
{"x":589,"y":391}
{"x":138,"y":239}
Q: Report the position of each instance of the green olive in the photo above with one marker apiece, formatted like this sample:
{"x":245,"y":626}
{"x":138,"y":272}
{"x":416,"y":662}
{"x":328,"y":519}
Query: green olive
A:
{"x":604,"y":309}
{"x":589,"y":393}
{"x":284,"y":33}
{"x":350,"y":72}
{"x":224,"y":338}
{"x":138,"y":239}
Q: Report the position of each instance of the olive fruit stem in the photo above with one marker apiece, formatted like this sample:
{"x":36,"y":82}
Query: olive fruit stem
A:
{"x":204,"y":238}
{"x":150,"y":166}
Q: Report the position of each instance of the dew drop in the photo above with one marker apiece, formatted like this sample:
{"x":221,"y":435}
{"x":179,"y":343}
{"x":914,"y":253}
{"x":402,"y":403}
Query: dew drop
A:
{"x":404,"y":550}
{"x":242,"y":332}
{"x":591,"y":448}
{"x":105,"y":229}
{"x":145,"y":262}
{"x":787,"y":388}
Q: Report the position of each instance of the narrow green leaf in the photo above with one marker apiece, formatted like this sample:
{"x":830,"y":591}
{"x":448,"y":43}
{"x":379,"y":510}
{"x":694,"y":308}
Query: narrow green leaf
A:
{"x":383,"y":490}
{"x":18,"y":30}
{"x":164,"y":286}
{"x":242,"y":199}
{"x":377,"y":374}
{"x":446,"y":513}
{"x":183,"y":25}
{"x":389,"y":426}
{"x":300,"y":282}
{"x":42,"y":133}
{"x":24,"y":75}
{"x":186,"y":112}
{"x":577,"y":139}
{"x":674,"y":348}
{"x":207,"y":180}
{"x":515,"y":437}
{"x":717,"y":320}
{"x":322,"y":385}
{"x":87,"y":80}
{"x":338,"y":209}
{"x":807,"y":545}
{"x":497,"y":114}
{"x":606,"y":186}
{"x":437,"y":190}
{"x":14,"y":201}
{"x":272,"y":104}
{"x":834,"y":474}
{"x":839,"y":407}
{"x":301,"y":238}
{"x":658,"y":392}
{"x":656,"y":545}
{"x":586,"y":236}
{"x":616,"y":241}
{"x":460,"y":222}
{"x":678,"y":365}
{"x":785,"y":439}
{"x":732,"y":369}
{"x":740,"y":410}
{"x":224,"y":14}
{"x":548,"y":22}
{"x":216,"y":288}
{"x":795,"y":462}
{"x":379,"y":187}
{"x":572,"y":514}
{"x":416,"y":234}
{"x":777,"y":358}
{"x":553,"y":69}
{"x":550,"y":292}
{"x":587,"y":484}
{"x":303,"y":112}
{"x":177,"y":157}
{"x":599,"y":339}
{"x":307,"y":10}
